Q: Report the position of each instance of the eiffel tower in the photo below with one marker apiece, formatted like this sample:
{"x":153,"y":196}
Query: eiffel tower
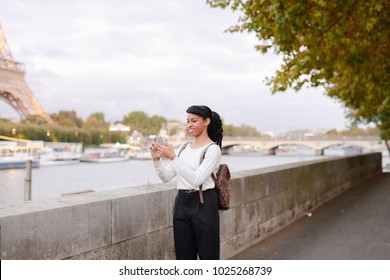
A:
{"x":13,"y":87}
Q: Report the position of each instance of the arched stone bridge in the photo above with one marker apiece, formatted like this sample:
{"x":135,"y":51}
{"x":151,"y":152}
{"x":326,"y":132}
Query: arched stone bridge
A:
{"x":269,"y":146}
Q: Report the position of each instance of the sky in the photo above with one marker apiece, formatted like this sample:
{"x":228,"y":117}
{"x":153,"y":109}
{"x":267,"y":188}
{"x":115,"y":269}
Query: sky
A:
{"x":160,"y":57}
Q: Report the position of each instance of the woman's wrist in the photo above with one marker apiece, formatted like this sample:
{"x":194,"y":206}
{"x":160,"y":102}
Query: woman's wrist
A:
{"x":172,"y":157}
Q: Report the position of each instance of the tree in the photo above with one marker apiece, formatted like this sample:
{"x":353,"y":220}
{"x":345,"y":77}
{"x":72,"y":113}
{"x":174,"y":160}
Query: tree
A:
{"x":34,"y":119}
{"x":340,"y":45}
{"x":143,"y":123}
{"x":243,"y":130}
{"x":96,"y":120}
{"x":156,"y":123}
{"x":67,"y":119}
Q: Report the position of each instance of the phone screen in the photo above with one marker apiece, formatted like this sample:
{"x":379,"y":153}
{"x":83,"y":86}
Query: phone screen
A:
{"x":160,"y":140}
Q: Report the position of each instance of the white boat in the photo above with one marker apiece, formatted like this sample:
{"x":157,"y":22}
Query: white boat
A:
{"x":58,"y":153}
{"x":103,"y":155}
{"x":139,"y":155}
{"x":14,"y":153}
{"x":18,"y":162}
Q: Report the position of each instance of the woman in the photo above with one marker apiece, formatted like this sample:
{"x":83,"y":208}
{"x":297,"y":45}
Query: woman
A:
{"x":195,"y":224}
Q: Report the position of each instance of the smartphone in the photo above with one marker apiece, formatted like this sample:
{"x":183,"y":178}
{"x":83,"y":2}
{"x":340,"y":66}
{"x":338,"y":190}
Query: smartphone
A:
{"x":160,"y":140}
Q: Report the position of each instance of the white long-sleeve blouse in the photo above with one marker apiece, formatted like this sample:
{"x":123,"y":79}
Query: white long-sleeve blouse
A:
{"x":190,"y":175}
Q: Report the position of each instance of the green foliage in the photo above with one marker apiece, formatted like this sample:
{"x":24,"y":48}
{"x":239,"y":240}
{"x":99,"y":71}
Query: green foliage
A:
{"x":68,"y":127}
{"x":341,"y":45}
{"x":67,"y":119}
{"x":96,"y":121}
{"x":141,"y":122}
{"x":354,"y":131}
{"x":243,"y":130}
{"x":34,"y":119}
{"x":95,"y":130}
{"x":56,"y":133}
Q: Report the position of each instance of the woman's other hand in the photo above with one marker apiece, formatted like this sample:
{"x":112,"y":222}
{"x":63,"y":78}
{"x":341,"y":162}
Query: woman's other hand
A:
{"x":154,"y":152}
{"x":166,"y":151}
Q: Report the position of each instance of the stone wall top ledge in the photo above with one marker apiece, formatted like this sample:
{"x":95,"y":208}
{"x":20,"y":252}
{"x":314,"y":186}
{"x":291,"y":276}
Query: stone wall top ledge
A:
{"x":264,"y":170}
{"x":79,"y":199}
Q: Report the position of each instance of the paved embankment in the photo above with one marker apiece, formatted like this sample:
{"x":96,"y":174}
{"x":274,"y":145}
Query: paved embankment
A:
{"x":352,"y":226}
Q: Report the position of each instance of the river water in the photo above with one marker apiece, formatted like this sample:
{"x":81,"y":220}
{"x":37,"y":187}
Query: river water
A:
{"x":56,"y":180}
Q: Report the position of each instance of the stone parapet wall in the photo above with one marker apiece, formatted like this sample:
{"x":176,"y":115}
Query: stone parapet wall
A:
{"x":136,"y":222}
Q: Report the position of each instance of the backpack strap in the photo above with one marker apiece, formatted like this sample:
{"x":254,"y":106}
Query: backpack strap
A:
{"x":212,"y":174}
{"x":202,"y":157}
{"x":182,"y":148}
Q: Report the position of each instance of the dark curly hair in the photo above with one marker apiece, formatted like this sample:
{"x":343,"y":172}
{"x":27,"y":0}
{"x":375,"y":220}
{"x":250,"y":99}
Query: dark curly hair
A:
{"x":214,"y":130}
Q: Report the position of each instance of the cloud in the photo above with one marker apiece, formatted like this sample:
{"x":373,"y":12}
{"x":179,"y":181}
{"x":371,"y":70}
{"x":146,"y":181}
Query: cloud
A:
{"x":155,"y":56}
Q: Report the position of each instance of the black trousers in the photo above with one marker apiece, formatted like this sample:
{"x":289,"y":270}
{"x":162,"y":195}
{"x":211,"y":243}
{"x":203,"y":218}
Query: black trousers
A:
{"x":196,"y":226}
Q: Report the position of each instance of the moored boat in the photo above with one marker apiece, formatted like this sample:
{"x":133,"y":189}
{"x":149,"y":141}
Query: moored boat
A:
{"x":59,"y":153}
{"x":14,"y":153}
{"x":18,"y":162}
{"x":139,"y":155}
{"x":103,"y":155}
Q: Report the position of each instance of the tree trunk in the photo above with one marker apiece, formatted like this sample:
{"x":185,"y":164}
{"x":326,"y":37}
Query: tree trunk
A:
{"x":387,"y":145}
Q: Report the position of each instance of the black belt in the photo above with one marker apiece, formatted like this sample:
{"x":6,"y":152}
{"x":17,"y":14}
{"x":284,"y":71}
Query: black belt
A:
{"x":188,"y":191}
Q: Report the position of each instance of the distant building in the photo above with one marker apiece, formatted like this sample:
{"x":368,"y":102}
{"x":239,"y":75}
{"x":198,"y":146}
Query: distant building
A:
{"x":305,"y":134}
{"x":119,"y":127}
{"x":174,"y":129}
{"x":270,"y":134}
